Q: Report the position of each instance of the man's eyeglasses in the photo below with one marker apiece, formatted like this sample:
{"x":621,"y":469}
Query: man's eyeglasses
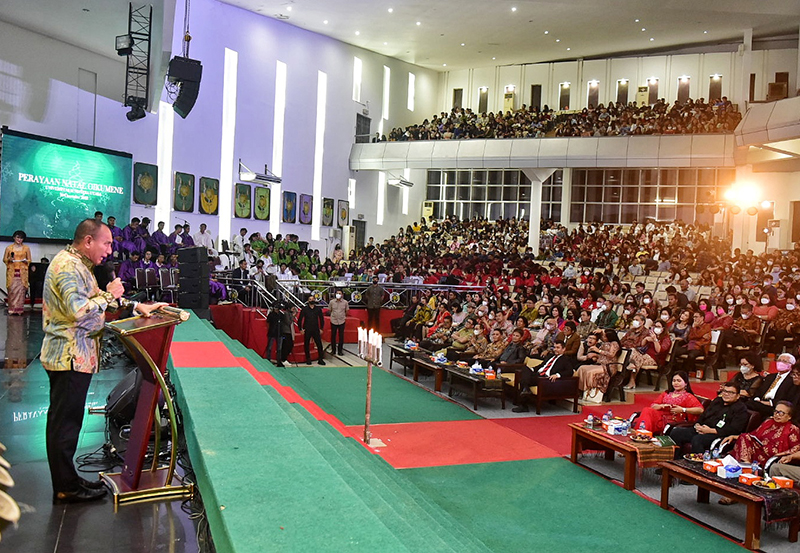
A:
{"x":779,"y":412}
{"x":724,"y":391}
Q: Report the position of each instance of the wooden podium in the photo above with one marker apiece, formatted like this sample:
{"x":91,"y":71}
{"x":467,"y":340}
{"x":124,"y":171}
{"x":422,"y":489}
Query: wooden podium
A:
{"x":148,"y":340}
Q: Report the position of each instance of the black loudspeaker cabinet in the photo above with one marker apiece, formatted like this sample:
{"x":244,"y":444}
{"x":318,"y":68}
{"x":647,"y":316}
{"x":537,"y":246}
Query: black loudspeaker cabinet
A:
{"x":121,"y":402}
{"x":193,"y":300}
{"x":195,"y":271}
{"x":187,"y":96}
{"x":193,"y":285}
{"x":193,"y":254}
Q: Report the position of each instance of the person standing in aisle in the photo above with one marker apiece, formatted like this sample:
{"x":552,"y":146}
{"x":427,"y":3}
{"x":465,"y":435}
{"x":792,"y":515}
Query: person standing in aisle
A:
{"x":339,"y":309}
{"x":373,"y":297}
{"x":311,"y":322}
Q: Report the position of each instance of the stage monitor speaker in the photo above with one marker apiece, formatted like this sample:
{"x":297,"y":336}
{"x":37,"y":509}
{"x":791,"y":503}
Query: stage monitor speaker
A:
{"x":193,"y":254}
{"x":196,"y":271}
{"x":121,"y":401}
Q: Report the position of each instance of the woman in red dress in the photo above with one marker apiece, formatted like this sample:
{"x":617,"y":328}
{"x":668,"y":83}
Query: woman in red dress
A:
{"x":677,"y":405}
{"x":776,"y":436}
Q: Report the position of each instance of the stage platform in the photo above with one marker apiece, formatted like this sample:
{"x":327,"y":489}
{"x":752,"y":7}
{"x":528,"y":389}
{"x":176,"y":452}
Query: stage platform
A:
{"x":280,"y":467}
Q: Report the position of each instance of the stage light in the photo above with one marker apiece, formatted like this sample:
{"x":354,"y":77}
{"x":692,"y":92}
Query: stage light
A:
{"x":124,"y":45}
{"x":752,"y":210}
{"x":137,"y":108}
{"x":766,"y":204}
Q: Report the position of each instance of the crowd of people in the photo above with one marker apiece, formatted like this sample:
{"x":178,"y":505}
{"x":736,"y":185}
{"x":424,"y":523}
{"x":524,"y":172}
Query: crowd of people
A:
{"x":613,"y":119}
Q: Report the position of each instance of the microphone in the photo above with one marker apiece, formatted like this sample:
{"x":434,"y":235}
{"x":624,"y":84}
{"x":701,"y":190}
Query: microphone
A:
{"x":109,"y":268}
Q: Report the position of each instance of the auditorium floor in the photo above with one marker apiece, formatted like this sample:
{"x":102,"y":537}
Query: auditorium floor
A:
{"x":88,"y":528}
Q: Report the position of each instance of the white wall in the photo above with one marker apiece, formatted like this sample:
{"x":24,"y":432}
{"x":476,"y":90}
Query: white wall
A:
{"x":39,"y":93}
{"x":666,"y":68}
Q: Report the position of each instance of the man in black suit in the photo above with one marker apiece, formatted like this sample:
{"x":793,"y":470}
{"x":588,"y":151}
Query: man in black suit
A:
{"x":311,"y":322}
{"x":559,"y":365}
{"x":776,"y":387}
{"x":241,"y":278}
{"x":725,"y":416}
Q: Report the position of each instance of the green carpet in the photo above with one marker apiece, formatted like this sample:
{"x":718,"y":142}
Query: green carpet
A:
{"x":195,"y":330}
{"x":553,"y":505}
{"x":341,"y":391}
{"x":265,"y":486}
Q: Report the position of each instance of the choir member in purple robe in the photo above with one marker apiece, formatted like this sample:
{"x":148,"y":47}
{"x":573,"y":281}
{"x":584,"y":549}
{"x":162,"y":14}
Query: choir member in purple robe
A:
{"x":186,"y":237}
{"x":127,"y":271}
{"x":116,"y":234}
{"x":159,"y":240}
{"x":131,"y":240}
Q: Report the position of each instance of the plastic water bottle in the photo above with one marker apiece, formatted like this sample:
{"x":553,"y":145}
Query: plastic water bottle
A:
{"x":756,"y":468}
{"x":605,"y":418}
{"x":707,"y":455}
{"x":642,"y":426}
{"x":715,"y":453}
{"x":499,"y":374}
{"x":590,"y":420}
{"x":625,"y":428}
{"x":610,"y":414}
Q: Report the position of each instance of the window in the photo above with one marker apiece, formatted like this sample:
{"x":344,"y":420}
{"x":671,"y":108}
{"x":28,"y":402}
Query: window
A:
{"x":593,"y":94}
{"x":357,"y":69}
{"x":458,"y":94}
{"x":563,"y":96}
{"x":411,"y":91}
{"x":387,"y":85}
{"x":652,"y":90}
{"x":536,"y":96}
{"x":622,"y":91}
{"x":715,"y":88}
{"x":683,"y":90}
{"x":483,"y":99}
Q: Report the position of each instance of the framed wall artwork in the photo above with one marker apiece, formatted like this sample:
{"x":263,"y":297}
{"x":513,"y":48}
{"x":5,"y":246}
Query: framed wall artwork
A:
{"x":343,"y":213}
{"x":209,"y":196}
{"x":327,"y":212}
{"x":145,"y":183}
{"x":289,"y":207}
{"x":261,"y":203}
{"x":306,"y":201}
{"x":184,"y":192}
{"x":241,"y":204}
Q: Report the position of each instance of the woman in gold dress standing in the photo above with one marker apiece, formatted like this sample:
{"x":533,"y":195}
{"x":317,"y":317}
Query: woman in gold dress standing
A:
{"x":17,"y":258}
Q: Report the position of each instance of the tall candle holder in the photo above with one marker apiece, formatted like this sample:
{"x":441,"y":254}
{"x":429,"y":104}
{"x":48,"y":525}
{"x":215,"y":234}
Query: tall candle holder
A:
{"x":370,"y":349}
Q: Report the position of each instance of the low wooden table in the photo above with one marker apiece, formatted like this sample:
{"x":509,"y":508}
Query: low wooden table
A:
{"x":403,"y":356}
{"x":480,"y":386}
{"x":646,"y":455}
{"x":707,"y":484}
{"x":422,"y":361}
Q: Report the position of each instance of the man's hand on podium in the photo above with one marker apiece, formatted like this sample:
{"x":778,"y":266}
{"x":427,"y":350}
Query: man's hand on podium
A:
{"x":147,"y":309}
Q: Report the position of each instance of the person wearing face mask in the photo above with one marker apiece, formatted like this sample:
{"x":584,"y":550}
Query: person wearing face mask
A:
{"x":637,"y":340}
{"x":607,"y":318}
{"x":776,"y":387}
{"x":339,"y":308}
{"x":765,"y":308}
{"x":749,"y":376}
{"x":400,"y":324}
{"x":697,"y":342}
{"x":786,"y":324}
{"x":744,"y":332}
{"x":724,"y":416}
{"x":585,"y":326}
{"x":543,"y":341}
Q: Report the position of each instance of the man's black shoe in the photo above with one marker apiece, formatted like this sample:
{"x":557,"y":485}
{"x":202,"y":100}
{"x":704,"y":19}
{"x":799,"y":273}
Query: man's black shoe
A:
{"x":279,"y":364}
{"x":521,"y":409}
{"x":341,"y":352}
{"x":91,"y":484}
{"x":81,"y":496}
{"x":321,"y":362}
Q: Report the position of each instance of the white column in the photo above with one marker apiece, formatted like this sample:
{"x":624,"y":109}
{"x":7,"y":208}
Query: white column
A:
{"x":166,"y":126}
{"x":275,"y":195}
{"x":566,"y":195}
{"x":747,"y":68}
{"x":537,"y":177}
{"x":227,"y":162}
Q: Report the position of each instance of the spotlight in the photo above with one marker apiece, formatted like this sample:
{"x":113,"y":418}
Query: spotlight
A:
{"x":752,"y":210}
{"x":124,"y":45}
{"x":137,"y":108}
{"x":766,"y":204}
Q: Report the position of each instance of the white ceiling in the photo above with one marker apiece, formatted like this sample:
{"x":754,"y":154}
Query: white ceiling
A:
{"x":494,"y":34}
{"x":487,"y":28}
{"x":89,"y":24}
